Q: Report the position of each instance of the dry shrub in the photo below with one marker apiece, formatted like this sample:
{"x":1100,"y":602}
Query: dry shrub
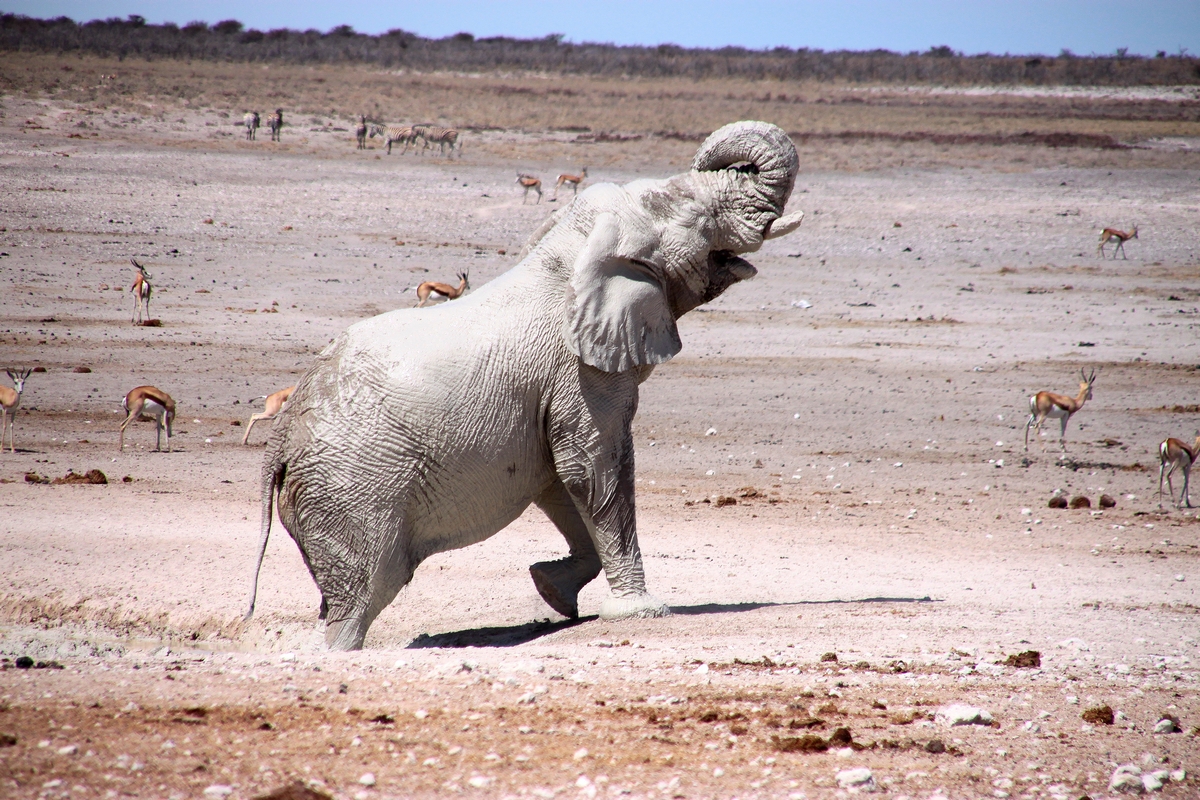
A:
{"x":799,"y":744}
{"x":92,"y":477}
{"x":1100,"y":715}
{"x":294,"y":791}
{"x":1030,"y":659}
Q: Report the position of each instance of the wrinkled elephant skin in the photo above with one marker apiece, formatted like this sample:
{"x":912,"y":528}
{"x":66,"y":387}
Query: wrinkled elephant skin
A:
{"x":425,"y":430}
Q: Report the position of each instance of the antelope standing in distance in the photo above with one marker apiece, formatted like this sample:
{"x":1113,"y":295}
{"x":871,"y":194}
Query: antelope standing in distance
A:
{"x":141,"y":291}
{"x":529,"y":182}
{"x":574,"y":180}
{"x":151,"y":402}
{"x":360,"y":133}
{"x":275,"y":403}
{"x":1178,"y":455}
{"x":251,"y":120}
{"x":395,"y":133}
{"x":444,"y":289}
{"x":9,"y":399}
{"x":1045,"y":405}
{"x":433,"y":134}
{"x":275,"y":124}
{"x":1120,"y":236}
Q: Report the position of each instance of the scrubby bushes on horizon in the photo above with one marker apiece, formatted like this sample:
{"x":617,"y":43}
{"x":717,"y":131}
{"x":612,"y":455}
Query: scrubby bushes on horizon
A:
{"x":228,"y":40}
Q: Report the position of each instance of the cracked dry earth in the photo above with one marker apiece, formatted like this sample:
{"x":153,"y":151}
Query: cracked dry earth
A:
{"x":834,"y":464}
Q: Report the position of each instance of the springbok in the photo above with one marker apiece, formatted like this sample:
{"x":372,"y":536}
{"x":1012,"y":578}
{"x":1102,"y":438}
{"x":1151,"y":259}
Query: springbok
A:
{"x":1057,"y":406}
{"x":1120,"y":236}
{"x":574,"y":180}
{"x":1178,"y":455}
{"x":444,"y":289}
{"x":153,"y":403}
{"x":275,"y":403}
{"x":528,"y":182}
{"x":141,"y":291}
{"x":9,"y":399}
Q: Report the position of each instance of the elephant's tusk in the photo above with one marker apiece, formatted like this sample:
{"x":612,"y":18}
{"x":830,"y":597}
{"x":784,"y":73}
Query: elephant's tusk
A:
{"x":784,"y":225}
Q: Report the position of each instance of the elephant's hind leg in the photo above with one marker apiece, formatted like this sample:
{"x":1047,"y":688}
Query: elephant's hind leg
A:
{"x":559,"y":582}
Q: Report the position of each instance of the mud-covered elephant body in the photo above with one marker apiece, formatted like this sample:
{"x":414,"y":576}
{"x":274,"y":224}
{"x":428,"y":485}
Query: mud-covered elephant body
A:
{"x":425,"y":430}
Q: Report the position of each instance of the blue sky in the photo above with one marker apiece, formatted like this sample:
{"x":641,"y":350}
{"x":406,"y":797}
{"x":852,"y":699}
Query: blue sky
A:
{"x":972,"y":26}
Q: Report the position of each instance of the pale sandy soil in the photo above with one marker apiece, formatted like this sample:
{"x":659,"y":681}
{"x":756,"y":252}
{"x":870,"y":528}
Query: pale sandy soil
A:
{"x":895,"y":519}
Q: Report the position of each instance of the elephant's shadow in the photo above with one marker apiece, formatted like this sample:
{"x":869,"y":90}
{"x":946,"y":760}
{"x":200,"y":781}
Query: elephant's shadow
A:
{"x":513,"y":635}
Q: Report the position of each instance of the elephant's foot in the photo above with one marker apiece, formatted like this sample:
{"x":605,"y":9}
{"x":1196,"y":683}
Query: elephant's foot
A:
{"x":346,"y":634}
{"x":559,"y":582}
{"x":636,"y":605}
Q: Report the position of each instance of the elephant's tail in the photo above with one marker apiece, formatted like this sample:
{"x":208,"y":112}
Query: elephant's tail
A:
{"x":271,"y":478}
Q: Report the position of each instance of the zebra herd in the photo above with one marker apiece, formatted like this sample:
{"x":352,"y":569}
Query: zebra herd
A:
{"x":252,"y":121}
{"x":408,"y":135}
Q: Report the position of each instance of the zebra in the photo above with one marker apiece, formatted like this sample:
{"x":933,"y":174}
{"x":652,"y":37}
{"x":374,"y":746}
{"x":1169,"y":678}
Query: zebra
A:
{"x":395,"y":133}
{"x":432,"y":134}
{"x":251,"y":120}
{"x":275,"y":123}
{"x":361,"y":133}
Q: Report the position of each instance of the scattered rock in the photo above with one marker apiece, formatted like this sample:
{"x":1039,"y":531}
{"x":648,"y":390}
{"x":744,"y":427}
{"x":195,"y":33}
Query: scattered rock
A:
{"x":1100,"y":715}
{"x":1167,"y":724}
{"x":935,"y":746}
{"x":1127,"y":779}
{"x":1079,"y":501}
{"x":959,"y":714}
{"x":858,"y":779}
{"x":152,"y":323}
{"x":1154,"y":781}
{"x":82,"y":370}
{"x":91,"y":477}
{"x":8,"y":740}
{"x":367,"y":779}
{"x":723,"y":500}
{"x":24,"y":662}
{"x":1058,"y":502}
{"x":1030,"y":659}
{"x":294,"y":791}
{"x":829,"y":657}
{"x":1108,"y":501}
{"x":218,"y":790}
{"x":68,"y":750}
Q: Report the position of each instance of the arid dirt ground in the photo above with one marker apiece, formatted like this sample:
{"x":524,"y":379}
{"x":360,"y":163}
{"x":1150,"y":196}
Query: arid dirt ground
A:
{"x":863,"y":401}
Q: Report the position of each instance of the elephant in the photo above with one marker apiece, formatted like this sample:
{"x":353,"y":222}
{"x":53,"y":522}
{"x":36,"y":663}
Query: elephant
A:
{"x":424,"y":430}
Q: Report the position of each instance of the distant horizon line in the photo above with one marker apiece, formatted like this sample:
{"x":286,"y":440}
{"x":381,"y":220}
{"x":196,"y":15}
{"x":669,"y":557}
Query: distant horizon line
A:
{"x":937,"y":51}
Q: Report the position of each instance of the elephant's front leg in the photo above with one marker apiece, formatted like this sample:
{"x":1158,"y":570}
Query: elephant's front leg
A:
{"x":593,"y":453}
{"x":559,"y":582}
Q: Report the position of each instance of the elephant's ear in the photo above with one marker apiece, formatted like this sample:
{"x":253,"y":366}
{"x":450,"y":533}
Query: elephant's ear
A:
{"x":617,"y":313}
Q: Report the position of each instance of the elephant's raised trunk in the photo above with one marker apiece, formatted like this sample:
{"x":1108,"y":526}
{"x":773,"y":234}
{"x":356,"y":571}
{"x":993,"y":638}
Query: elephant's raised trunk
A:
{"x":761,"y":144}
